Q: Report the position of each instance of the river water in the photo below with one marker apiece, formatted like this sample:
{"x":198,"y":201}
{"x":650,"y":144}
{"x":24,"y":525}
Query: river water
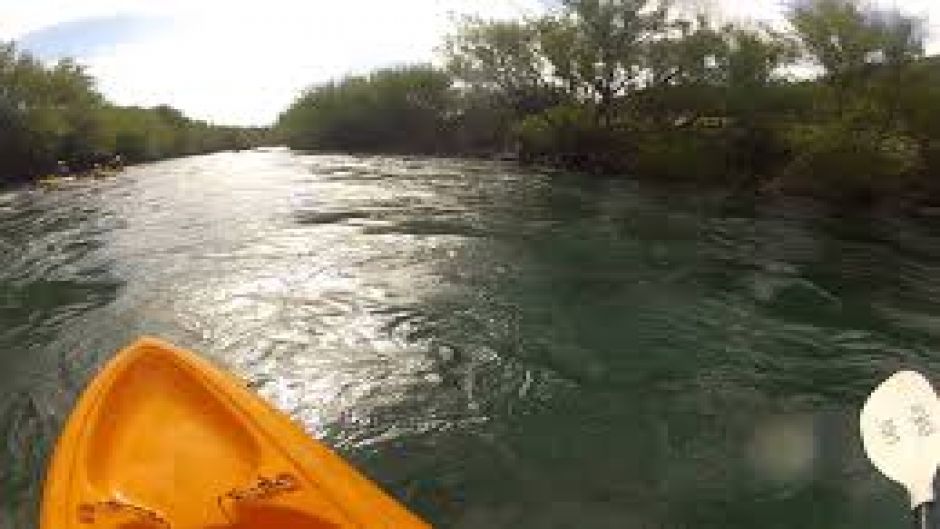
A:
{"x":498,"y":347}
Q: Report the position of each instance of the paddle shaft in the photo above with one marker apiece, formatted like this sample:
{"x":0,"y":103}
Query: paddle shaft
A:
{"x":925,"y":516}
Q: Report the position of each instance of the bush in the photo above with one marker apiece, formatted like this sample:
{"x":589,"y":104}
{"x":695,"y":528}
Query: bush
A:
{"x":684,"y":155}
{"x":52,"y":113}
{"x":401,"y":109}
{"x":564,"y":132}
{"x":837,"y":160}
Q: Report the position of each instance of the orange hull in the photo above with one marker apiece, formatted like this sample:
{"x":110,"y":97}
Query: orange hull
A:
{"x":163,"y":440}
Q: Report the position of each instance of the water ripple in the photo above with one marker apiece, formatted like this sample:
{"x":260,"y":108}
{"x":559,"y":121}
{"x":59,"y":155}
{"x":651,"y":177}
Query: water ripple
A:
{"x":499,"y":347}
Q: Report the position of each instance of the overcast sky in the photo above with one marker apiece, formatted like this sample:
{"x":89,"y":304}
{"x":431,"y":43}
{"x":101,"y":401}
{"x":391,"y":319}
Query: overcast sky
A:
{"x":241,"y":63}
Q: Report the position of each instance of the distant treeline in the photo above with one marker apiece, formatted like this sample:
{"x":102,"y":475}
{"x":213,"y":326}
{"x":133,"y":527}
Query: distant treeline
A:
{"x":52,"y":117}
{"x":633,"y":86}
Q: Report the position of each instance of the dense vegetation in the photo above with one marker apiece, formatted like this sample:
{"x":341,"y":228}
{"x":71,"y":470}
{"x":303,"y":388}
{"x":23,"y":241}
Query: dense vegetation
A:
{"x":394,"y":109}
{"x":632,"y":86}
{"x":53,"y":113}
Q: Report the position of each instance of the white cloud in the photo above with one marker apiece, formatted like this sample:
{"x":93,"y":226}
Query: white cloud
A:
{"x":240,"y":62}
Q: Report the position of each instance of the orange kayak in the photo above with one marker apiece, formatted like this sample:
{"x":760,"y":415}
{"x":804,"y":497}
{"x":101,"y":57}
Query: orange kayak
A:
{"x":161,"y":439}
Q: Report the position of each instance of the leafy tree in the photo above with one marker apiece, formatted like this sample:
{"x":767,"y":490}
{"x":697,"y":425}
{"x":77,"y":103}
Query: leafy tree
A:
{"x":835,"y":34}
{"x":598,"y":48}
{"x":847,"y":40}
{"x":500,"y":57}
{"x":686,"y":54}
{"x":52,"y":113}
{"x":901,"y":42}
{"x":753,"y":58}
{"x":396,"y":109}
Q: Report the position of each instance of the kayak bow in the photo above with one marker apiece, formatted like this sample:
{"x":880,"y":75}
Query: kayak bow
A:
{"x":161,"y":439}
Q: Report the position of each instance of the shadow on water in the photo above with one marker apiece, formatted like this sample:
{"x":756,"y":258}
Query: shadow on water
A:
{"x":500,"y":348}
{"x":54,"y":279}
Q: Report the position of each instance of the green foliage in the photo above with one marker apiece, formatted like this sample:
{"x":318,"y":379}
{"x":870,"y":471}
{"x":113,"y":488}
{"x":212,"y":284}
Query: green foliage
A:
{"x":835,"y":34}
{"x":609,"y":41}
{"x":683,"y":155}
{"x":500,"y":68}
{"x":753,"y":58}
{"x":615,"y":84}
{"x":625,"y":85}
{"x":44,"y":111}
{"x":479,"y":124}
{"x":562,"y":130}
{"x":700,"y":71}
{"x":501,"y":58}
{"x":598,"y":49}
{"x":742,"y":155}
{"x":836,"y":159}
{"x":396,"y":109}
{"x":687,"y":54}
{"x":54,"y":113}
{"x":142,"y":134}
{"x":856,"y":46}
{"x":919,"y":100}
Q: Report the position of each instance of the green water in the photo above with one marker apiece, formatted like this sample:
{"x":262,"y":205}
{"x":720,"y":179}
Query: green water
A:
{"x":500,"y":348}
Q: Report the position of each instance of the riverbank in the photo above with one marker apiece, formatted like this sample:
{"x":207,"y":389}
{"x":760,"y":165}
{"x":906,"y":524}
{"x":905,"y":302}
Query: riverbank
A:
{"x":861,"y":168}
{"x":625,"y":88}
{"x":747,"y":163}
{"x":64,"y":174}
{"x":53,"y":116}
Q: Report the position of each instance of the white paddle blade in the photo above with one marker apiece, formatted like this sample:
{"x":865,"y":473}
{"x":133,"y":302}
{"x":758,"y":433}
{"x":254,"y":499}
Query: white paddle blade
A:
{"x":900,"y":426}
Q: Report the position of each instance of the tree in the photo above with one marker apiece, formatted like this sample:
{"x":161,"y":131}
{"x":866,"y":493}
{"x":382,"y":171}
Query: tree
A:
{"x":687,"y":53}
{"x":503,"y":59}
{"x":847,"y":40}
{"x":395,"y":109}
{"x":54,"y":112}
{"x":835,"y":33}
{"x":900,"y":44}
{"x":900,"y":37}
{"x":753,"y":57}
{"x":598,"y":47}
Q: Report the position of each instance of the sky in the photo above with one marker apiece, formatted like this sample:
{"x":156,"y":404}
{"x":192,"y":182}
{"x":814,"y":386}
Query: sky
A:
{"x":242,"y":62}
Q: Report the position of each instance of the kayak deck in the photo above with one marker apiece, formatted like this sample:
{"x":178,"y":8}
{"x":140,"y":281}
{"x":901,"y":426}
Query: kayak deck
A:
{"x":162,"y":439}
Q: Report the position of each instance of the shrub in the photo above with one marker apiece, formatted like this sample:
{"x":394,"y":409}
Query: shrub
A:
{"x":837,"y":160}
{"x":561,"y":131}
{"x":684,"y":155}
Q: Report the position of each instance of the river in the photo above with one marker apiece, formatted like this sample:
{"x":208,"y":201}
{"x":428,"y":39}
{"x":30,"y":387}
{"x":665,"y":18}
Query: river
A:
{"x":498,"y":347}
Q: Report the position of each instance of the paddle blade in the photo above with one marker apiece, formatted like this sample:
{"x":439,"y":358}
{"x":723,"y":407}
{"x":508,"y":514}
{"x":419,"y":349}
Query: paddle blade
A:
{"x":900,"y":426}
